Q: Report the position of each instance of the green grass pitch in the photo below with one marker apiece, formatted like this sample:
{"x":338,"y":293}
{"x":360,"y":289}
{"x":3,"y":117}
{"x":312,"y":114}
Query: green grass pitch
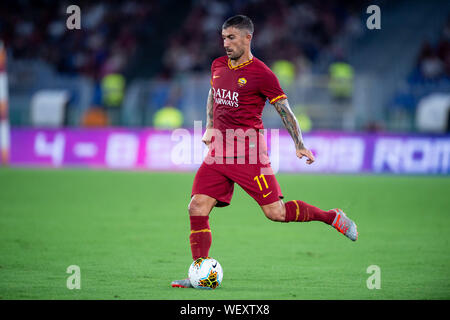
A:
{"x":128,"y":232}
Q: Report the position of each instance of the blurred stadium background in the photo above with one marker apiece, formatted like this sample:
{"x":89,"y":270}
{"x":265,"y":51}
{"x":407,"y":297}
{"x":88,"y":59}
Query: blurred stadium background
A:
{"x":108,"y":96}
{"x":162,"y":52}
{"x":146,"y":64}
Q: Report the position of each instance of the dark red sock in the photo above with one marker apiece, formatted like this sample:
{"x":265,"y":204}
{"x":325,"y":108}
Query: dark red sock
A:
{"x":200,"y":237}
{"x":300,"y":211}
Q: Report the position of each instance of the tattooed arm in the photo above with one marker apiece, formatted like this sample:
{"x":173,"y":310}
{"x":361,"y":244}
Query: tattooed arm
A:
{"x":209,"y":110}
{"x":209,"y":119}
{"x":291,"y":124}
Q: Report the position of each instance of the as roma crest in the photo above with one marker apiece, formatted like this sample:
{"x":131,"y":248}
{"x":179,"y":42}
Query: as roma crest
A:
{"x":242,"y":82}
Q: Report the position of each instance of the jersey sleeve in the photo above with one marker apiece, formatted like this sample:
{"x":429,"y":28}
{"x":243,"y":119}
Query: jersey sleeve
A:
{"x":270,"y":87}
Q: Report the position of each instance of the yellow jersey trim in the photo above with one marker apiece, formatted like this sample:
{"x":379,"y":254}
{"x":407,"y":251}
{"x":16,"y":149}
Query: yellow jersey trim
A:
{"x":243,"y":64}
{"x":202,"y":230}
{"x":297,"y":211}
{"x":283,"y":96}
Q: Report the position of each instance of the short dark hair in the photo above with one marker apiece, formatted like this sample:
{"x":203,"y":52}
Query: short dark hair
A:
{"x":239,"y":22}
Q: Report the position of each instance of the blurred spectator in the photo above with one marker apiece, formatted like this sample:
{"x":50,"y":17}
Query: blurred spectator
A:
{"x":430,"y":74}
{"x":285,"y":72}
{"x":168,"y":117}
{"x":341,"y":80}
{"x":111,"y":32}
{"x":284,"y":30}
{"x":431,"y":67}
{"x":107,"y":39}
{"x":113,"y":91}
{"x":434,"y":60}
{"x":302,"y":116}
{"x":133,"y":38}
{"x":95,"y":117}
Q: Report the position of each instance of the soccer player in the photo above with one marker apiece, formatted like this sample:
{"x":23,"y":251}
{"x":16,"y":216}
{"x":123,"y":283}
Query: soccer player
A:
{"x":240,"y":86}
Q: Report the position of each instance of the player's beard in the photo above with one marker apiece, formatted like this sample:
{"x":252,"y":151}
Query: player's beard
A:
{"x":236,"y":54}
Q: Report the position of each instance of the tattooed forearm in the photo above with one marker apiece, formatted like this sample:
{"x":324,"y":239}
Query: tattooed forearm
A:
{"x":290,"y":122}
{"x":209,"y":110}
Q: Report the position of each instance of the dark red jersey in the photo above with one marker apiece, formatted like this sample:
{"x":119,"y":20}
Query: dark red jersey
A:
{"x":240,"y":94}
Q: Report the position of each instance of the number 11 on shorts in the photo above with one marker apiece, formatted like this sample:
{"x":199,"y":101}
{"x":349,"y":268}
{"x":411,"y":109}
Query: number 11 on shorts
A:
{"x":256,"y":178}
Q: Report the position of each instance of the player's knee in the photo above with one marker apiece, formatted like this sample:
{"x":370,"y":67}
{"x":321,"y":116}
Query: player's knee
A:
{"x":275,"y":214}
{"x":197,"y":208}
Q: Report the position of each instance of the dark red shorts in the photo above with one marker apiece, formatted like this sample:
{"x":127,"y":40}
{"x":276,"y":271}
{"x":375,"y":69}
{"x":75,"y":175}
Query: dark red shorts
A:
{"x":217,"y":181}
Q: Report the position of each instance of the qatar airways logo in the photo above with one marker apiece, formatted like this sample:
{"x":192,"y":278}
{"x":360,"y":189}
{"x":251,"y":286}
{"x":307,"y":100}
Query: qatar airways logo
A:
{"x":226,"y":97}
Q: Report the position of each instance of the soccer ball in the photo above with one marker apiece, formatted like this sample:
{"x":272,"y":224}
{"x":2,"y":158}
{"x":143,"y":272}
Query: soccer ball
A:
{"x":205,"y":273}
